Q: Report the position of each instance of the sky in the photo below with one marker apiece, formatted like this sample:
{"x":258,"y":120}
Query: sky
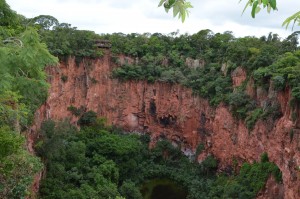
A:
{"x":143,"y":16}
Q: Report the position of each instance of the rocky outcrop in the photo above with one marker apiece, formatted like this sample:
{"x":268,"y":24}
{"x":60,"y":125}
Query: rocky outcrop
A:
{"x":238,"y":76}
{"x":173,"y":112}
{"x":194,"y":63}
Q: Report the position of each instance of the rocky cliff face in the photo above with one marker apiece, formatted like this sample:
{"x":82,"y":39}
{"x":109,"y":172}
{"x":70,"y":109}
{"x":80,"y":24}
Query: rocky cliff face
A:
{"x":173,"y":112}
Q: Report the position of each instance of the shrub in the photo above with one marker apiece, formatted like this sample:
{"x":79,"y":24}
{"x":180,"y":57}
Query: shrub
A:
{"x":279,"y":83}
{"x":264,"y":157}
{"x":262,"y":76}
{"x":76,"y":111}
{"x":87,"y":119}
{"x":253,"y":117}
{"x":240,"y":104}
{"x":296,"y":93}
{"x":129,"y":190}
{"x":199,"y":149}
{"x":209,"y":165}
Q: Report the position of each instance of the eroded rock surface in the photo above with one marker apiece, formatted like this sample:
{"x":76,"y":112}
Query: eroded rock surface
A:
{"x":173,"y":112}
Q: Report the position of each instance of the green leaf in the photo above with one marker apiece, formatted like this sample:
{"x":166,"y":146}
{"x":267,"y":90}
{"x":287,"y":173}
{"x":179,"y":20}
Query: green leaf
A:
{"x":182,"y":11}
{"x":254,"y":6}
{"x":294,"y":18}
{"x":273,"y":4}
{"x":176,"y":10}
{"x":265,"y":2}
{"x":180,"y":7}
{"x":269,"y":8}
{"x":188,"y":5}
{"x":167,"y":9}
{"x":257,"y":10}
{"x":183,"y":17}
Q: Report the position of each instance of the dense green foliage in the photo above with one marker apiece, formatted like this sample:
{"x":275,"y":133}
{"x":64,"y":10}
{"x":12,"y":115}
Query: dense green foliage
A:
{"x":251,"y":179}
{"x":218,"y":53}
{"x":101,"y":162}
{"x":23,"y":86}
{"x":23,"y":89}
{"x":64,"y":40}
{"x":17,"y":166}
{"x":284,"y":72}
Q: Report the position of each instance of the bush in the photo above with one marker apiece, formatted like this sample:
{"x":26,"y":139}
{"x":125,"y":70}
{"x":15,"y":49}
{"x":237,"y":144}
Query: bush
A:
{"x":296,"y":93}
{"x":248,"y":182}
{"x":240,"y":104}
{"x":76,"y":111}
{"x":253,"y":117}
{"x":279,"y":83}
{"x":199,"y":149}
{"x":88,"y":119}
{"x":209,"y":165}
{"x":264,"y":157}
{"x":262,"y":76}
{"x":129,"y":190}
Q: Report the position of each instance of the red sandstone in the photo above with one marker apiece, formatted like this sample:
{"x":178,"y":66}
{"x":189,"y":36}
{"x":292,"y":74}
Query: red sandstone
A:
{"x":190,"y":119}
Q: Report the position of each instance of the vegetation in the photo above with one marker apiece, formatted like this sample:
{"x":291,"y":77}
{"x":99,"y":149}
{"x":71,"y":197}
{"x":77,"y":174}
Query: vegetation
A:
{"x":204,"y":62}
{"x":284,"y":72}
{"x":23,"y":89}
{"x":63,"y":40}
{"x":257,"y":5}
{"x":23,"y":86}
{"x":180,"y":9}
{"x":100,"y":162}
{"x":250,"y":180}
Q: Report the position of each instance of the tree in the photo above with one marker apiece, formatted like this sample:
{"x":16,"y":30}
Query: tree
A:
{"x":88,"y":118}
{"x":257,"y":5}
{"x":23,"y":88}
{"x":180,"y":8}
{"x":46,"y":22}
{"x":7,"y":16}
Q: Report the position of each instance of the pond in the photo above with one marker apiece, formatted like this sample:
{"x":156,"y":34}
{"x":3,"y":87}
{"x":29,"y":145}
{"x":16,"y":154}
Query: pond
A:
{"x":162,"y":189}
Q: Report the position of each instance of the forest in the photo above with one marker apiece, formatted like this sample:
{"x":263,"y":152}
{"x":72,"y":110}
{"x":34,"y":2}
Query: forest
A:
{"x":82,"y":164}
{"x":101,"y":161}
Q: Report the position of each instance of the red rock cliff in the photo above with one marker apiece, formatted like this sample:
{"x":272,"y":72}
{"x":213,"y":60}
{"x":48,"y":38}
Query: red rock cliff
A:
{"x":173,"y":112}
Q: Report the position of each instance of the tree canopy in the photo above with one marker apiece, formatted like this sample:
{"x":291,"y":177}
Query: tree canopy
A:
{"x":102,"y":162}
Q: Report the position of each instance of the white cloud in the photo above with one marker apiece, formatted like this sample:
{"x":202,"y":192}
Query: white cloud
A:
{"x":139,"y":16}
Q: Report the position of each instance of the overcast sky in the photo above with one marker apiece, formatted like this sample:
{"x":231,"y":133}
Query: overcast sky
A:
{"x":140,"y":16}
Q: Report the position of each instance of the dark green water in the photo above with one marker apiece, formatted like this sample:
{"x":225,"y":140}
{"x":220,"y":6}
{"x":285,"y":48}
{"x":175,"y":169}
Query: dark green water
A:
{"x":162,"y":189}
